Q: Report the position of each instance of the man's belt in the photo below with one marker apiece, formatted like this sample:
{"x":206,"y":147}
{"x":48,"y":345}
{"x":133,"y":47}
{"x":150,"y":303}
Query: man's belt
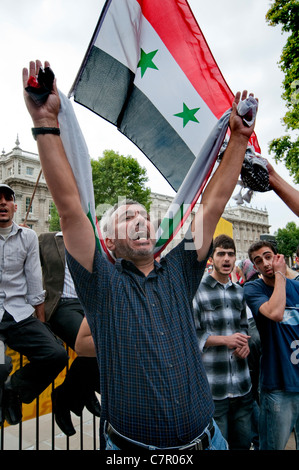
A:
{"x":202,"y":442}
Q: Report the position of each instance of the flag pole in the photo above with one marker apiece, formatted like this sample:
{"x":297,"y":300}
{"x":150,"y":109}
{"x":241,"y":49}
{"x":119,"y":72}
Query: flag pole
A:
{"x":32,"y":197}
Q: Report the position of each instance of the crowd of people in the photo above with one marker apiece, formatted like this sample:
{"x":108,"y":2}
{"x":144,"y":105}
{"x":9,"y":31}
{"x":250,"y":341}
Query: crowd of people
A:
{"x":170,"y":349}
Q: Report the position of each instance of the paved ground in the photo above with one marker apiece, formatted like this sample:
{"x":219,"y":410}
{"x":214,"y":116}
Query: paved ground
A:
{"x":84,"y":441}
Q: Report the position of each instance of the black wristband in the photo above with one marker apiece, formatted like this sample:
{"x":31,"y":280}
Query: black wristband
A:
{"x":45,"y":130}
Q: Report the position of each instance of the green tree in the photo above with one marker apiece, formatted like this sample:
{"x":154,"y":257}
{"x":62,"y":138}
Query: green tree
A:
{"x":286,"y":148}
{"x":54,"y":225}
{"x":287,"y":239}
{"x":117,"y":176}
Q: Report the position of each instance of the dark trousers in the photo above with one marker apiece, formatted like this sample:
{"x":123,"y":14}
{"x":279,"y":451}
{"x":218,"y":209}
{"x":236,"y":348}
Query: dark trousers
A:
{"x":46,"y":355}
{"x":83,"y":377}
{"x":233,"y":416}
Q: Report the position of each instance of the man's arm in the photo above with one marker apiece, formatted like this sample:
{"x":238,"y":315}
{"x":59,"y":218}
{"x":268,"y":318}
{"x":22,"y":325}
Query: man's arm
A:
{"x":285,"y":191}
{"x":77,"y":230}
{"x":84,"y":345}
{"x":222,"y":183}
{"x":237,"y":340}
{"x":35,"y":294}
{"x":274,"y":308}
{"x":40,"y":312}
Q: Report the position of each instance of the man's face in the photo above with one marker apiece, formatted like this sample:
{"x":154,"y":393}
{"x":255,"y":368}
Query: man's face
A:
{"x":7,"y":208}
{"x":133,"y":234}
{"x":224,"y":260}
{"x":263,"y":260}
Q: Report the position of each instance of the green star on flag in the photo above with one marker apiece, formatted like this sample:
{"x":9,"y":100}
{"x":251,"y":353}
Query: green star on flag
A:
{"x":187,"y":114}
{"x":146,"y":61}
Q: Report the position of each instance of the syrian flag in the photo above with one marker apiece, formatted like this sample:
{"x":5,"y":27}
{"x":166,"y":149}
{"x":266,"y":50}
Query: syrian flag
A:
{"x":149,"y":71}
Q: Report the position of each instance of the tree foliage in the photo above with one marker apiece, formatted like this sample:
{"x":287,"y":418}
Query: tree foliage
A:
{"x":286,"y":148}
{"x":116,"y":176}
{"x":287,"y":239}
{"x":54,"y":225}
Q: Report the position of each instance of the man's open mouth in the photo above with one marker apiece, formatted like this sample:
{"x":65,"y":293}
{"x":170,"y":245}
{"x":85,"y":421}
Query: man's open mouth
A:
{"x":141,"y":235}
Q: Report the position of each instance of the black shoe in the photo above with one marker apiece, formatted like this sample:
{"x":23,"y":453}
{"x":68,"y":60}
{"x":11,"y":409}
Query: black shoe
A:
{"x":93,"y":405}
{"x":12,"y":406}
{"x":62,"y":412}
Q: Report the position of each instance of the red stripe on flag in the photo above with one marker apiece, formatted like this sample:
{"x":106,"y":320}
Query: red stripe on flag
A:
{"x":177,"y":27}
{"x":175,"y":24}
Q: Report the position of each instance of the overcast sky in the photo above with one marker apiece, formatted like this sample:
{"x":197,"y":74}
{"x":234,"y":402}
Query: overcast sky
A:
{"x":245,"y":47}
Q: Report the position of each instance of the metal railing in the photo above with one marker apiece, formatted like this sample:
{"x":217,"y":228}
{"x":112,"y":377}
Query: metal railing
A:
{"x":42,"y":433}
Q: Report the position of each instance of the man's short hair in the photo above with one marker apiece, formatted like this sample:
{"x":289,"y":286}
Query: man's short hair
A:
{"x":260,"y":244}
{"x":106,"y":220}
{"x":223,"y":241}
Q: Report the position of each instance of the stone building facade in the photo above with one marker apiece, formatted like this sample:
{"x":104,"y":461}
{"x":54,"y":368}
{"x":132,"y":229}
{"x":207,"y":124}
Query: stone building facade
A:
{"x":248,"y":226}
{"x":248,"y":223}
{"x":21,"y":170}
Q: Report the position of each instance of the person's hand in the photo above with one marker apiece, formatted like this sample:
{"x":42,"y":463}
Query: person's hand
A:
{"x":236,"y":123}
{"x":237,"y":340}
{"x":279,"y":264}
{"x":44,"y":115}
{"x":243,"y":352}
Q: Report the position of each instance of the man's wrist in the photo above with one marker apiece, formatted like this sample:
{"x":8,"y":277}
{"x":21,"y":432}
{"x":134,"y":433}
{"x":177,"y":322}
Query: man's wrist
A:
{"x":238,"y":138}
{"x":45,"y":130}
{"x":279,"y":272}
{"x":46,"y":122}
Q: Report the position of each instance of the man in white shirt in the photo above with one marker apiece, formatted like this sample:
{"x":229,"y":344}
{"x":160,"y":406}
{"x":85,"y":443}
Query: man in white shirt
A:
{"x":22,"y":317}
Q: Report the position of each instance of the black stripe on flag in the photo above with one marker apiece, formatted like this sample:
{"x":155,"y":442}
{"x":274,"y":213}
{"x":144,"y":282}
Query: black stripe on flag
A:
{"x":107,"y":88}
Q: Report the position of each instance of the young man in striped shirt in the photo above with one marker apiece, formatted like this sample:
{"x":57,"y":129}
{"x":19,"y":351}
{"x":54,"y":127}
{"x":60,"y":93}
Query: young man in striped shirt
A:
{"x":221,"y":323}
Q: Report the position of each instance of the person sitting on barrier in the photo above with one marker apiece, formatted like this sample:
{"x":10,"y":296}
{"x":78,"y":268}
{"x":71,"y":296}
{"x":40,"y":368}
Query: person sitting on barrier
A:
{"x":22,"y":295}
{"x":64,"y":313}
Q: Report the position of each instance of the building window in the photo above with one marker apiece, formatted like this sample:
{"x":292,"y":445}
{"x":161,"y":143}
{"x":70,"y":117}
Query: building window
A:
{"x":29,"y":171}
{"x":19,"y":168}
{"x":28,"y":199}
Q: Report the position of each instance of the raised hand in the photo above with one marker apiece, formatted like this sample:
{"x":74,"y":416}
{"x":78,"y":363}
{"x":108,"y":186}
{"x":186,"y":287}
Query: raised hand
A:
{"x":236,"y":123}
{"x":44,"y":115}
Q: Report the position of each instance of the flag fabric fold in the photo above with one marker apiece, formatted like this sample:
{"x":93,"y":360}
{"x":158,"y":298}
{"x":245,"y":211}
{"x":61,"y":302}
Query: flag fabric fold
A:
{"x":149,"y":71}
{"x":78,"y":157}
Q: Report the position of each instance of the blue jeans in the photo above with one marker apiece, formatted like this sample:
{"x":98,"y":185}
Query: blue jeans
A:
{"x":234,"y":418}
{"x":217,"y":442}
{"x":279,"y":416}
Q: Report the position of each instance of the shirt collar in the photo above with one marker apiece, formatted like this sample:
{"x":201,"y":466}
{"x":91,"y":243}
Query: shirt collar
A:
{"x":123,"y":265}
{"x":16,"y":228}
{"x":212,"y":282}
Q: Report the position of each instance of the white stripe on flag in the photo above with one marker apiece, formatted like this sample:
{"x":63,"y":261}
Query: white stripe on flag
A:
{"x":124,"y":44}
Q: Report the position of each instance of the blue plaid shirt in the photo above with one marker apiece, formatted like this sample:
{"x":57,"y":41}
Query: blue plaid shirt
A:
{"x":153,"y":384}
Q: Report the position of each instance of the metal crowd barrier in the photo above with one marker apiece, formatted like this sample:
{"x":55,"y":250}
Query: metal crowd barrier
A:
{"x":38,"y":430}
